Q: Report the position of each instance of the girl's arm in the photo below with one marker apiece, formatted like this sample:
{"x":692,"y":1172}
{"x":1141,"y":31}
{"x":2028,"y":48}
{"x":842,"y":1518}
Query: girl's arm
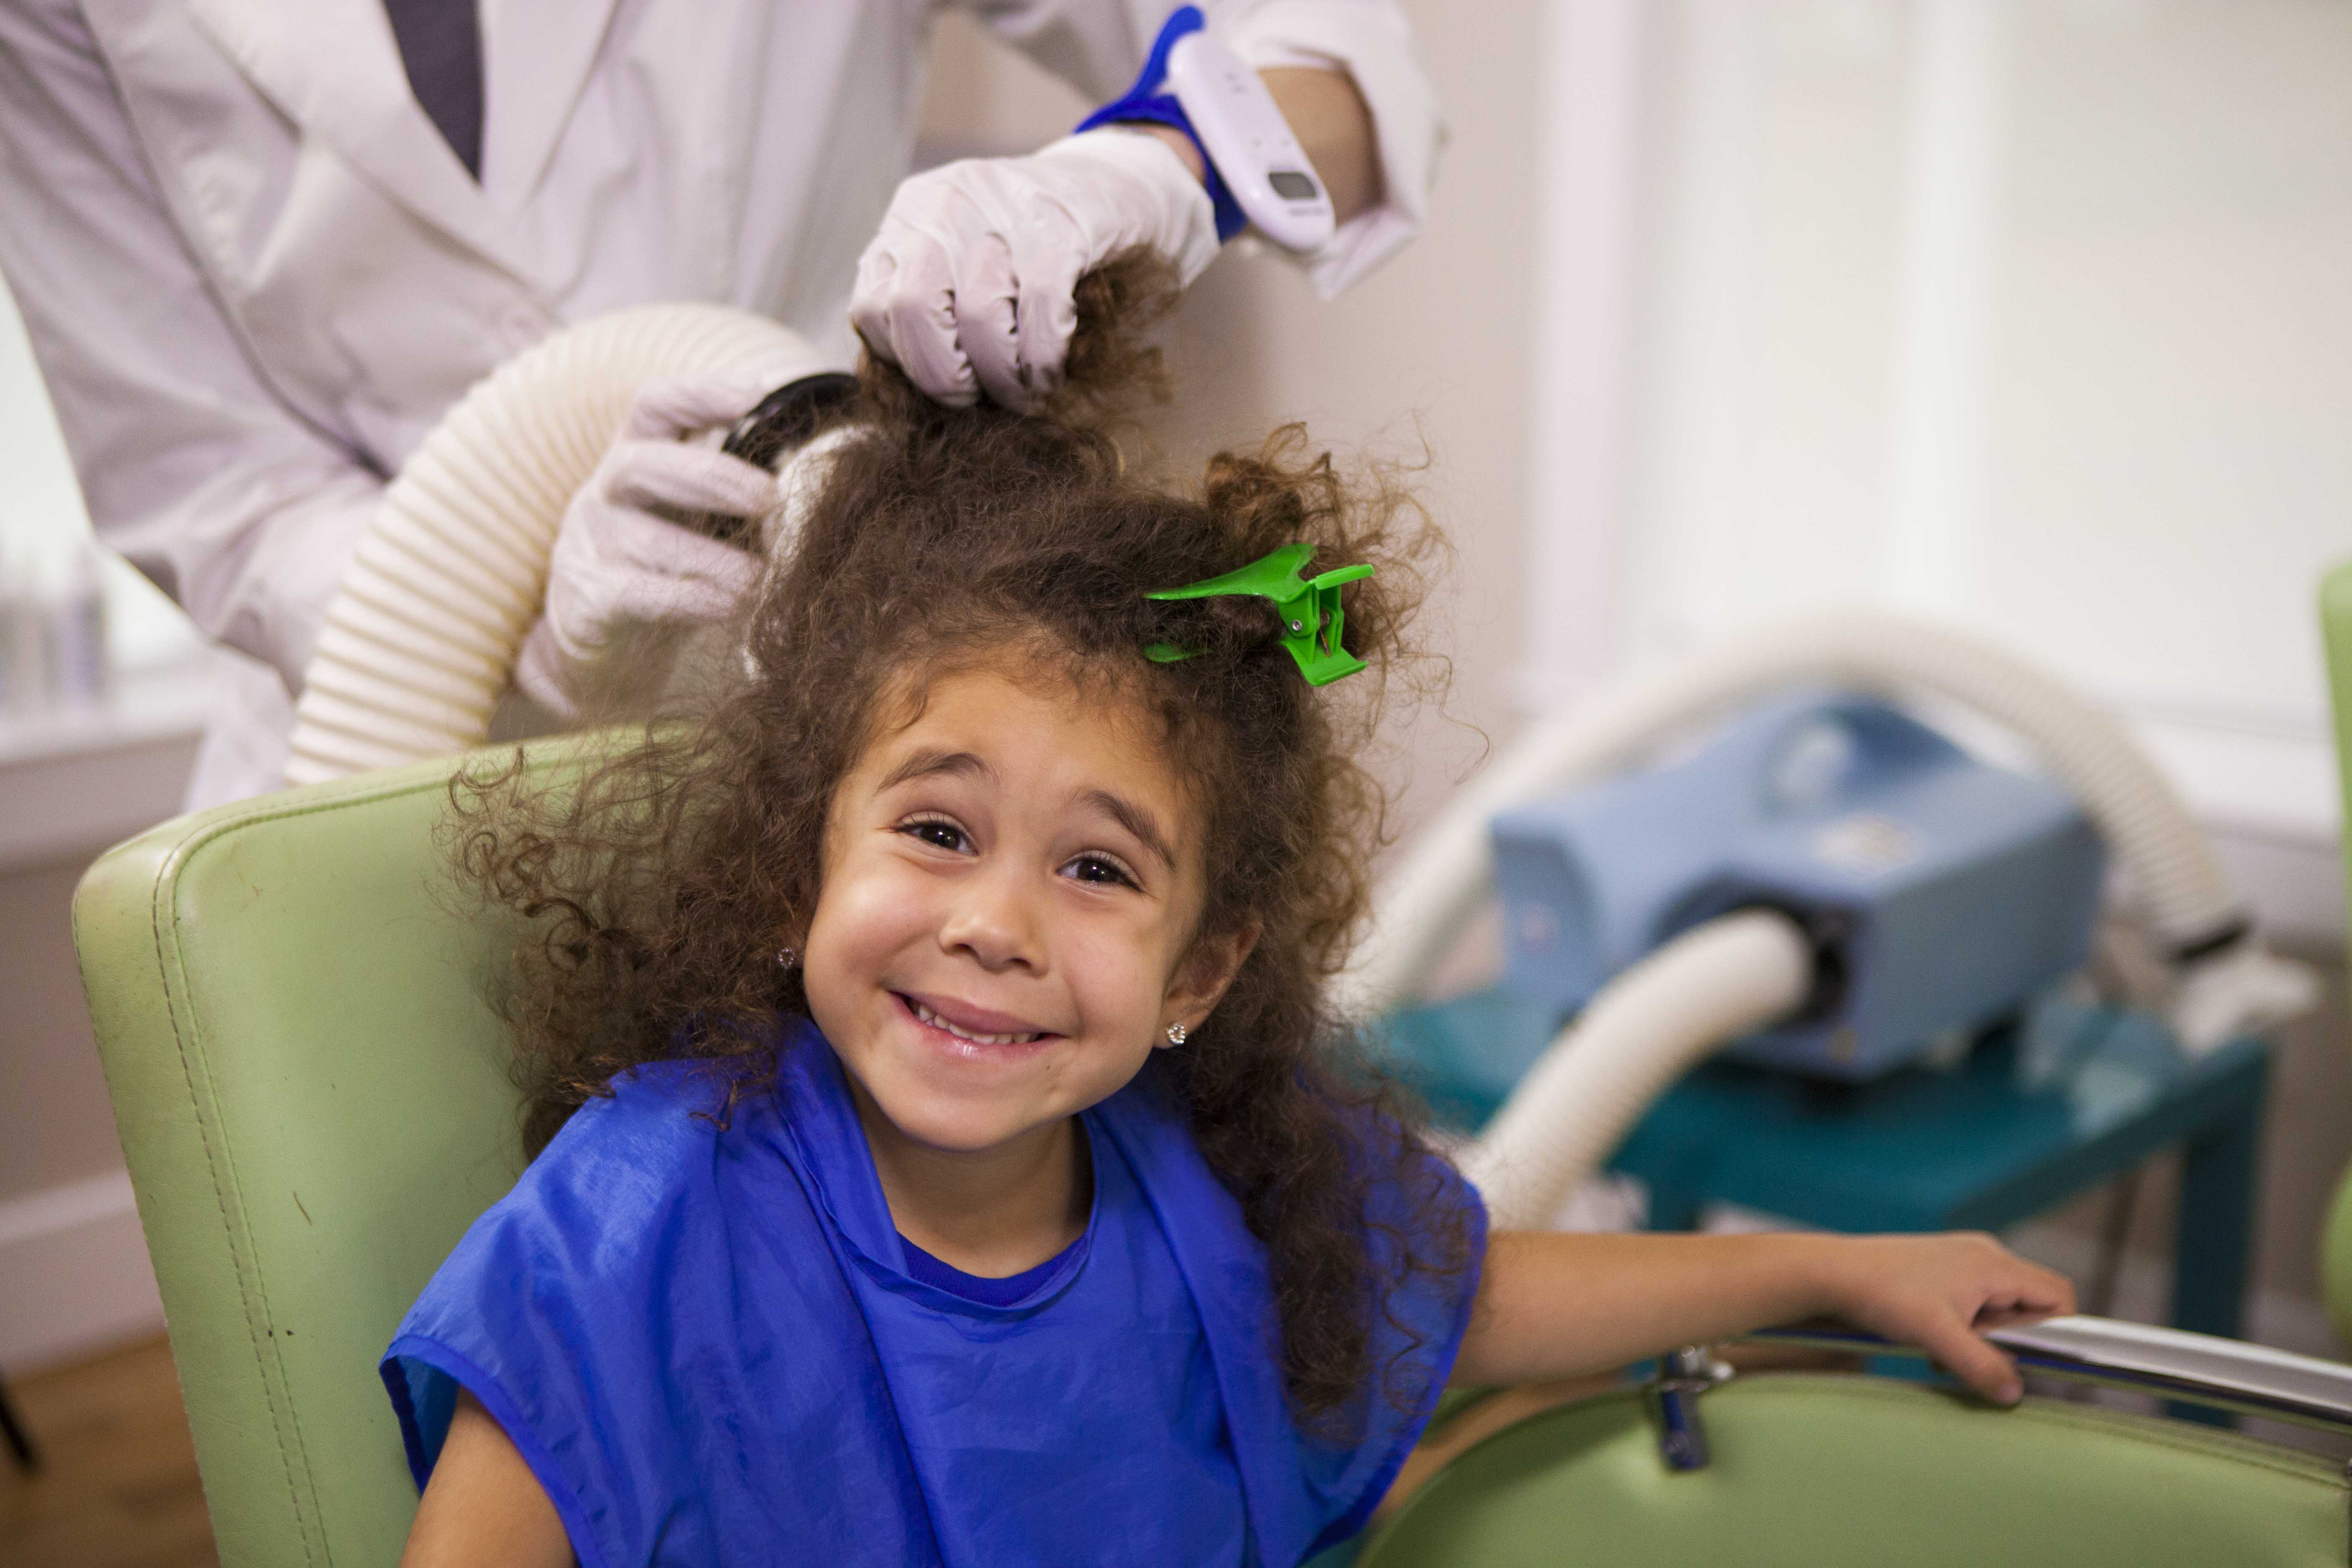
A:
{"x":483,"y":1506}
{"x":1553,"y":1305}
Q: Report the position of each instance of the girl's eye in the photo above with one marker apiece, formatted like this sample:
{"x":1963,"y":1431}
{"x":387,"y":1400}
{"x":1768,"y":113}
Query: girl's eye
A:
{"x":936,"y":832}
{"x":1101,"y":870}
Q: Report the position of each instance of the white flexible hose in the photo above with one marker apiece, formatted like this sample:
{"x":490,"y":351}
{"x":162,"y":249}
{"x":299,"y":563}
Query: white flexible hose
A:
{"x":1422,"y":906}
{"x":420,"y":640}
{"x":1694,"y":995}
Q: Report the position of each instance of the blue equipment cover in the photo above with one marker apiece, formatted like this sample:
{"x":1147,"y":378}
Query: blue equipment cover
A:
{"x":710,"y":1345}
{"x":1942,"y":891}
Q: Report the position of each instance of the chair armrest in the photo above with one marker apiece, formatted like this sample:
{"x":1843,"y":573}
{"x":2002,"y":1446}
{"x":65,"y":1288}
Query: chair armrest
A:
{"x":2227,"y":1374}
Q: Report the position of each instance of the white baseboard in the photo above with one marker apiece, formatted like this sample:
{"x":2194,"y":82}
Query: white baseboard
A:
{"x":74,"y":1274}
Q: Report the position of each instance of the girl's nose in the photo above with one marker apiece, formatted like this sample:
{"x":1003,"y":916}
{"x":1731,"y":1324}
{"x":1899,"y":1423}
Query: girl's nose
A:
{"x":995,"y":921}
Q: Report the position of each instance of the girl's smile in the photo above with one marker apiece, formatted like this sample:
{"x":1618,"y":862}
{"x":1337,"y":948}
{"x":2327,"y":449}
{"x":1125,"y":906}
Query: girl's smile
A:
{"x":972,"y":1029}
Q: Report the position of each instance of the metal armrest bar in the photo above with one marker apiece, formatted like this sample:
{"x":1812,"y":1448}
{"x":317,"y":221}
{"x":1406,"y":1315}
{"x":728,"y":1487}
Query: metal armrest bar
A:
{"x":2227,"y":1374}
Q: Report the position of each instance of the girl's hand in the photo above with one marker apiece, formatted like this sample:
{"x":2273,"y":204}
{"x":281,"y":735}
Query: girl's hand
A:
{"x":1940,"y":1293}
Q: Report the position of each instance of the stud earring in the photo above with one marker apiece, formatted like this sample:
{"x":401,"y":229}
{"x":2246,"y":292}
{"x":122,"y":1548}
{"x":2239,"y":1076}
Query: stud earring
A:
{"x":1178,"y":1034}
{"x":788,"y":957}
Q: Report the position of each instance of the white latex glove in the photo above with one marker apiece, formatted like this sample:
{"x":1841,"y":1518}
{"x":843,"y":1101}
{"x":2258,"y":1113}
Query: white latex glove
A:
{"x":968,"y":285}
{"x":617,"y":568}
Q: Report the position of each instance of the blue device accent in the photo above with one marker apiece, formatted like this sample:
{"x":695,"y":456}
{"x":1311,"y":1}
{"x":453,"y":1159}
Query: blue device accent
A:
{"x":1145,"y":101}
{"x":1943,"y":891}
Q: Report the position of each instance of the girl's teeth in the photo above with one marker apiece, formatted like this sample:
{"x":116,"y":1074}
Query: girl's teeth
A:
{"x":926,"y":1016}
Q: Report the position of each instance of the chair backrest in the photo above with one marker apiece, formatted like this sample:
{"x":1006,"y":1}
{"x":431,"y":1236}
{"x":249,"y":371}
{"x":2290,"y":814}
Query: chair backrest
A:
{"x":2336,"y":634}
{"x":292,"y":1004}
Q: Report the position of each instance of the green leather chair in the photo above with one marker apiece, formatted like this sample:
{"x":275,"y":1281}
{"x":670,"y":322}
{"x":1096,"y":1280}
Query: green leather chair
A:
{"x":2336,"y":634}
{"x":309,"y":1083}
{"x":1813,"y":1469}
{"x":292,"y":1005}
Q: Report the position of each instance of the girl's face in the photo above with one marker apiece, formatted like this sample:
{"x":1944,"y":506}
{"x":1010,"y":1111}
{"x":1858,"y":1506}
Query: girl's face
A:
{"x":1004,"y":932}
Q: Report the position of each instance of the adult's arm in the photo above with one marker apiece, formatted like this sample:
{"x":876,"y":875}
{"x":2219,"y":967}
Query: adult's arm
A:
{"x":189,"y":465}
{"x":1345,"y":73}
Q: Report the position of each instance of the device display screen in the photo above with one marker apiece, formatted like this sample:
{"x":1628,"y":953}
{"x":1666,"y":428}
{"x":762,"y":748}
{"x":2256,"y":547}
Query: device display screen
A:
{"x":1291,"y":185}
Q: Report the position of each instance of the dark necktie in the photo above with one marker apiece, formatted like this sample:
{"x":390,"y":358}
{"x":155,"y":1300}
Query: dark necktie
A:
{"x":441,"y":45}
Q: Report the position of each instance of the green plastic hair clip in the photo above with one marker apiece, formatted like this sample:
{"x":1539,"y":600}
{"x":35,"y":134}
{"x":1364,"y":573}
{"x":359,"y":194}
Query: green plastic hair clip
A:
{"x":1312,"y":618}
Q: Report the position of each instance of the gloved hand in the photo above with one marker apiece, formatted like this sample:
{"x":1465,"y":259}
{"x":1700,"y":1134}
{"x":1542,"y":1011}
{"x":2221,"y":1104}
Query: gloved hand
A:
{"x":968,"y":285}
{"x":617,"y":568}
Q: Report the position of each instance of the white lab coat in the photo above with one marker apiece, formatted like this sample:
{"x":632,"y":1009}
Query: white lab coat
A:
{"x":255,"y":276}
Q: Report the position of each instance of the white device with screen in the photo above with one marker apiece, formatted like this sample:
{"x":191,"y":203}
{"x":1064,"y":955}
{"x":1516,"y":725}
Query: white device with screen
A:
{"x":1250,"y":142}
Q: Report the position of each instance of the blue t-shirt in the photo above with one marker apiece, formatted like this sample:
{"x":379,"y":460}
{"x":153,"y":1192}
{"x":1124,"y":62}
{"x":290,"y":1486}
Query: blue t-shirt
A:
{"x":712,"y":1346}
{"x":980,"y":1287}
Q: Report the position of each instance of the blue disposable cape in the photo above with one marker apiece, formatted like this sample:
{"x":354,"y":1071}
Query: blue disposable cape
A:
{"x":708,"y":1344}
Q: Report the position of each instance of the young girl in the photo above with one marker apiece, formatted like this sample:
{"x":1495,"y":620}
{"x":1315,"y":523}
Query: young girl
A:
{"x":945,"y":1152}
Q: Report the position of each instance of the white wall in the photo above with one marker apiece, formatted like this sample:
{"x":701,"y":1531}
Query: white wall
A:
{"x":74,"y":1274}
{"x":42,"y":522}
{"x":2031,"y":317}
{"x":43,"y":512}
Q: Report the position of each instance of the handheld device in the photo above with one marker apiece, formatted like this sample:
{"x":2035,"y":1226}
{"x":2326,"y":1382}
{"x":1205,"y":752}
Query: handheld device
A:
{"x":1245,"y":135}
{"x":1255,"y":172}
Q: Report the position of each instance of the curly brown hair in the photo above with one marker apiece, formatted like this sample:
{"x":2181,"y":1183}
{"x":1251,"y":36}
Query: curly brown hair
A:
{"x":661,"y":885}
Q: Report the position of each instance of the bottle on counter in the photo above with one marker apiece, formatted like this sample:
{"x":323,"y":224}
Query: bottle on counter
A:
{"x":80,"y":672}
{"x":25,"y":681}
{"x":53,"y":632}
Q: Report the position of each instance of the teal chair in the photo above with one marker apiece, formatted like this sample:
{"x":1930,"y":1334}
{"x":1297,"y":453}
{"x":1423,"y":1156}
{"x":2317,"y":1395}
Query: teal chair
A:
{"x":311,"y":1086}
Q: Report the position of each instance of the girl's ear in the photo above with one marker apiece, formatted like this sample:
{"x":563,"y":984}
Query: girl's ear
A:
{"x":1201,"y":979}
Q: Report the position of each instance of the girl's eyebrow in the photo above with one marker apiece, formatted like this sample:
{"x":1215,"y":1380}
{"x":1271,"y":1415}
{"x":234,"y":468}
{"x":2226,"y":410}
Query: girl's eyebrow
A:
{"x":1135,"y":819}
{"x":929,"y":760}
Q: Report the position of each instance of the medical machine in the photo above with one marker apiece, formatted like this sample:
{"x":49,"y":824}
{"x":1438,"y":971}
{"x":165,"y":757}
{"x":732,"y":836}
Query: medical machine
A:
{"x":1939,"y":892}
{"x":1825,"y":882}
